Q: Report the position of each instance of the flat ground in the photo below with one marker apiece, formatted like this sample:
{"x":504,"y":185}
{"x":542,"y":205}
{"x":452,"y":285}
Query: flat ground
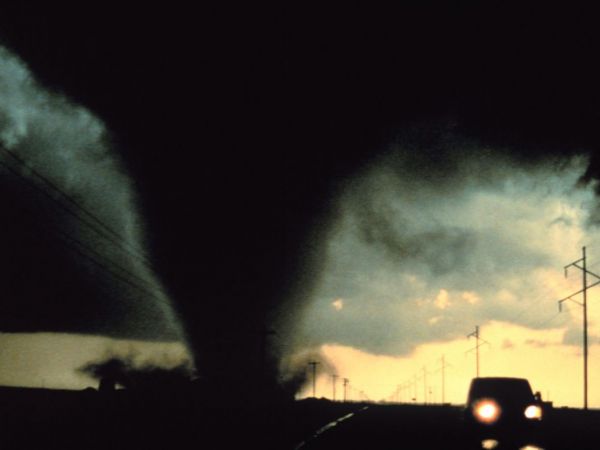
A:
{"x":37,"y":418}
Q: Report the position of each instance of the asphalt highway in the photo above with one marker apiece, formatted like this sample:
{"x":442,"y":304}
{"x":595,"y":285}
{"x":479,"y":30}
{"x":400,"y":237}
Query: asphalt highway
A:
{"x":441,"y":427}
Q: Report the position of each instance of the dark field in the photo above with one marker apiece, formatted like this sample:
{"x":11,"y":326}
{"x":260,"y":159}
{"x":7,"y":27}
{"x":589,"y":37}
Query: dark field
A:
{"x":183,"y":418}
{"x":439,"y":427}
{"x":154,"y":419}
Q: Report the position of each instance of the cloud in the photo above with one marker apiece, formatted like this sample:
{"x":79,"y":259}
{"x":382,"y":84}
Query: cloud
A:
{"x":74,"y":257}
{"x":442,"y":301}
{"x":537,"y":343}
{"x":480,"y":234}
{"x":507,"y":344}
{"x":471,"y":297}
{"x":338,"y":304}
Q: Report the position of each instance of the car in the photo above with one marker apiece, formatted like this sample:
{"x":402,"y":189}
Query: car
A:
{"x":503,"y":409}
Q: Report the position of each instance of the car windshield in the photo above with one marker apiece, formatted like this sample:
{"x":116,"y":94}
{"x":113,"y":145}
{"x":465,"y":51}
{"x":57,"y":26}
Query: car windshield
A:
{"x":503,"y":389}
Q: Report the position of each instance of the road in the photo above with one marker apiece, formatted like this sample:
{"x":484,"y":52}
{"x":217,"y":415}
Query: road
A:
{"x":62,"y":420}
{"x":440,"y":427}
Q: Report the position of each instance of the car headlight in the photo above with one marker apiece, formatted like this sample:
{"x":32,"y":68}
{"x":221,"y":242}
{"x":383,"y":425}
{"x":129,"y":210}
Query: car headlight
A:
{"x":533,"y":412}
{"x":486,"y":411}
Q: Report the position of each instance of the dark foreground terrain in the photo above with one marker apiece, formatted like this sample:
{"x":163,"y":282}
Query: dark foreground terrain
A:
{"x":442,"y":427}
{"x":182,"y":418}
{"x":155,"y":419}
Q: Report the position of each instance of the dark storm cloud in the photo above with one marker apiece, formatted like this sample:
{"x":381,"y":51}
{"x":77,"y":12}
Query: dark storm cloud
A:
{"x":239,"y":137}
{"x":406,"y":207}
{"x":451,"y":245}
{"x":74,"y":258}
{"x":434,"y":237}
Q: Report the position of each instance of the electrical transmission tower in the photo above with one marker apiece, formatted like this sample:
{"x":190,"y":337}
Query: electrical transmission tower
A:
{"x":585,"y":273}
{"x":425,"y":373}
{"x":442,"y":369}
{"x":346,"y":382}
{"x":333,"y":380}
{"x":314,"y":371}
{"x":478,"y":343}
{"x":406,"y":394}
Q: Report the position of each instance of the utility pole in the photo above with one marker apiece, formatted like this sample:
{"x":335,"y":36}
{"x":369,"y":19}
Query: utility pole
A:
{"x":585,"y":272}
{"x":443,"y":370}
{"x":346,"y":382}
{"x":416,"y":387}
{"x":333,"y":379}
{"x":476,"y":335}
{"x":314,"y":371}
{"x":425,"y":372}
{"x":478,"y":338}
{"x":443,"y":380}
{"x":263,"y":336}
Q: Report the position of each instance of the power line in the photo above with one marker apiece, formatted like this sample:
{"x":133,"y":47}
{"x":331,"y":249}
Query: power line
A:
{"x":29,"y":183}
{"x":346,"y":383}
{"x":80,"y":248}
{"x":442,"y":368}
{"x":534,"y":301}
{"x":333,"y":381}
{"x":425,"y":373}
{"x":66,"y":196}
{"x":478,"y":338}
{"x":546,"y":321}
{"x":585,"y":272}
{"x":416,"y":379}
{"x":93,"y":222}
{"x":65,"y":240}
{"x":103,"y":289}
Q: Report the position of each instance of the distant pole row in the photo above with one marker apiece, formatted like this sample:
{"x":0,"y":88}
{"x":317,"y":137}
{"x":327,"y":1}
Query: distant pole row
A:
{"x":334,"y":377}
{"x":411,"y":385}
{"x":580,"y":264}
{"x":409,"y":389}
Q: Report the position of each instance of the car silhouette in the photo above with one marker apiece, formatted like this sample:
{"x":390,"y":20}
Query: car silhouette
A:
{"x":503,"y":408}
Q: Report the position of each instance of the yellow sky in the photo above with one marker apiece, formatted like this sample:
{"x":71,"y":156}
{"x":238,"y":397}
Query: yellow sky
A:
{"x":507,"y":283}
{"x":413,"y":268}
{"x":51,"y":360}
{"x":552,"y":368}
{"x":541,"y":353}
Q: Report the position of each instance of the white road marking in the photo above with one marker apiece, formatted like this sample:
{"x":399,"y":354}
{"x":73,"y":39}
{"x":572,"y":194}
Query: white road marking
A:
{"x":329,"y":426}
